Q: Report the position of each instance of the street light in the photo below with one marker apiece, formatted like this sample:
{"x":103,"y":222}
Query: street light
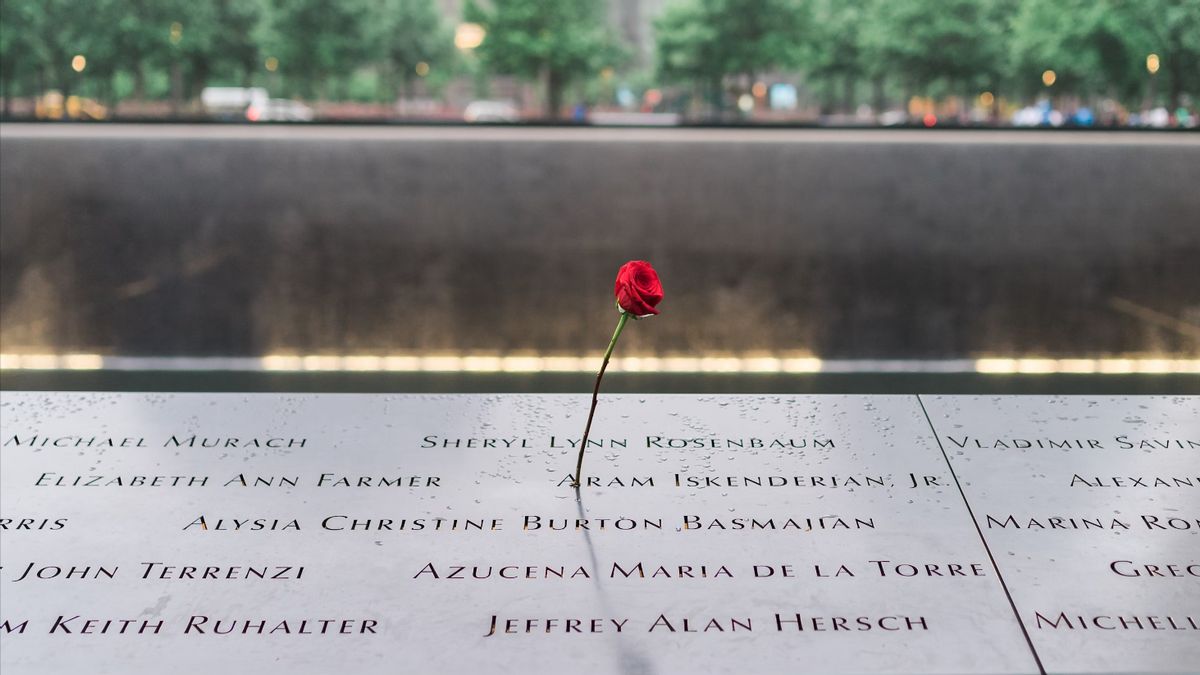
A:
{"x":78,"y":63}
{"x":468,"y":36}
{"x":1152,"y":65}
{"x":1049,"y":77}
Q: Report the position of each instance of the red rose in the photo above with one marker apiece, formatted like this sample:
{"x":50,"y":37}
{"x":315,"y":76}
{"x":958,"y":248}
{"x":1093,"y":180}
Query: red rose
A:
{"x":638,"y":290}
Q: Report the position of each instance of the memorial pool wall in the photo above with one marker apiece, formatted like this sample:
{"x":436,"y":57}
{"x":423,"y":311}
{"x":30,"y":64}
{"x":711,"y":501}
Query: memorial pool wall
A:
{"x":233,"y":240}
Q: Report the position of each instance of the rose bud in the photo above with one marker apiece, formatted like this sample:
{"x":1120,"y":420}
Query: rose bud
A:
{"x":638,"y":289}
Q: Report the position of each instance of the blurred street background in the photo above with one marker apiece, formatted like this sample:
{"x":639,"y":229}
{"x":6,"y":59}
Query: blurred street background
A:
{"x":1029,"y":63}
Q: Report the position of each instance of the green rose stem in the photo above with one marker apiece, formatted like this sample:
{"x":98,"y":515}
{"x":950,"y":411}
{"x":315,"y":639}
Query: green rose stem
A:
{"x":596,"y":395}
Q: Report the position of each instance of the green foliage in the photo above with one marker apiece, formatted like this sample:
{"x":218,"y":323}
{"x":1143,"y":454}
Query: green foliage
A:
{"x":706,"y":40}
{"x":363,"y":85}
{"x":1082,"y":41}
{"x":837,"y":43}
{"x":411,"y":32}
{"x":19,"y":46}
{"x":1099,"y":47}
{"x":319,"y":41}
{"x":958,"y":44}
{"x":1170,"y":29}
{"x":133,"y":41}
{"x":687,"y":44}
{"x":835,"y":59}
{"x":235,"y":31}
{"x":557,"y":41}
{"x":38,"y":40}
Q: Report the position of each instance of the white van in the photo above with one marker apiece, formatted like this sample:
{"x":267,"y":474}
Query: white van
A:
{"x":233,"y":102}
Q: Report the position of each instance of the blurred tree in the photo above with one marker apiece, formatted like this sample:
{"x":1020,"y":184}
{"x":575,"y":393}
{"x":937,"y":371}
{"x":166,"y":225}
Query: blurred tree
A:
{"x":217,"y":38}
{"x":139,"y":36}
{"x":57,"y":32}
{"x":411,"y":33}
{"x":1082,"y":41}
{"x":922,"y":44}
{"x":556,"y":41}
{"x":19,"y":58}
{"x":687,"y":47}
{"x":320,"y":40}
{"x":704,"y":41}
{"x":1170,"y":29}
{"x":181,"y":42}
{"x":836,"y":56}
{"x":40,"y":40}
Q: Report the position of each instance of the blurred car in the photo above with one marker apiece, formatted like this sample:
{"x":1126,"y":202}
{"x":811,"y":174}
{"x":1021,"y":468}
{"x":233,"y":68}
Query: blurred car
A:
{"x":1038,"y":115}
{"x":1157,"y":118}
{"x":233,"y":103}
{"x":491,"y":111}
{"x":53,"y":106}
{"x":1029,"y":116}
{"x":279,"y":110}
{"x":640,"y":119}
